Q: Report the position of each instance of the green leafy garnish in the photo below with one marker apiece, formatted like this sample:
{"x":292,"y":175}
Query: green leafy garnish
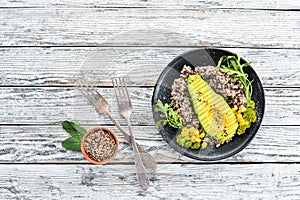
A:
{"x":169,"y":115}
{"x":73,"y":128}
{"x":76,"y":132}
{"x":233,"y":67}
{"x":72,"y":143}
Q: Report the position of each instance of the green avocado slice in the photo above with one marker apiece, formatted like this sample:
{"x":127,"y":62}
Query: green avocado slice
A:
{"x":213,"y":112}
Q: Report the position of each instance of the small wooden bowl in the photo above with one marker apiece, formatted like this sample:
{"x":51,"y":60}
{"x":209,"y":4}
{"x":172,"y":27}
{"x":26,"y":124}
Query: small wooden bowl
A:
{"x":87,"y":156}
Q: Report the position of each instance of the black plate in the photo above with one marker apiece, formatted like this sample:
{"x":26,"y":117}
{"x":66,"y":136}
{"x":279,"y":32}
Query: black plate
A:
{"x":162,"y":91}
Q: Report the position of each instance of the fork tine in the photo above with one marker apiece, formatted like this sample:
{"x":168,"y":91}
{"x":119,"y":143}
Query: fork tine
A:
{"x":84,"y":86}
{"x":122,"y":86}
{"x":85,"y":93}
{"x":125,"y":89}
{"x":116,"y":89}
{"x":120,"y":89}
{"x":88,"y":91}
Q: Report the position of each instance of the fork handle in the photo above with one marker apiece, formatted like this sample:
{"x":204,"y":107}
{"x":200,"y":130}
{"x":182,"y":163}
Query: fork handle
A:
{"x":147,"y":159}
{"x":141,"y":173}
{"x":126,"y":136}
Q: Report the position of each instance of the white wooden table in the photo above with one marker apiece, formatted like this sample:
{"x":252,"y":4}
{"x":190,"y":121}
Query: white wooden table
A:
{"x":44,"y":46}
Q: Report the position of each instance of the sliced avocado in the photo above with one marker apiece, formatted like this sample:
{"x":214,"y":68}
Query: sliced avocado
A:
{"x":214,"y":114}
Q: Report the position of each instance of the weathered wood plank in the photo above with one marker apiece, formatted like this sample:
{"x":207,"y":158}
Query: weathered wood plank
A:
{"x":257,"y":181}
{"x":51,"y":105}
{"x":148,"y":26}
{"x":42,"y":144}
{"x":255,"y":4}
{"x":61,"y":66}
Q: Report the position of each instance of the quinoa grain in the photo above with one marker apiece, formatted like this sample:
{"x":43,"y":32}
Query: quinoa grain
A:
{"x":100,"y":145}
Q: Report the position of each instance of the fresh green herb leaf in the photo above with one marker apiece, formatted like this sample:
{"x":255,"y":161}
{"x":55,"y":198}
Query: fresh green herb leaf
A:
{"x":76,"y":132}
{"x":72,"y":143}
{"x":233,"y":67}
{"x":169,"y":115}
{"x":73,"y":128}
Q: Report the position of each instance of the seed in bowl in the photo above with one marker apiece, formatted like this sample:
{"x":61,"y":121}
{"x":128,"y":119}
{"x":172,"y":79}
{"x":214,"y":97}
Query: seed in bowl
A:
{"x":100,"y":145}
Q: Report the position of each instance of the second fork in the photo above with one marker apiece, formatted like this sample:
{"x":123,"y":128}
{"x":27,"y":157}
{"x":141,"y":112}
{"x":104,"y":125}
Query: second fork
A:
{"x":125,"y":109}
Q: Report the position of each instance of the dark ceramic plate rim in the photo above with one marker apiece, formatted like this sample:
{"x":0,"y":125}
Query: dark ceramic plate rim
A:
{"x":254,"y":127}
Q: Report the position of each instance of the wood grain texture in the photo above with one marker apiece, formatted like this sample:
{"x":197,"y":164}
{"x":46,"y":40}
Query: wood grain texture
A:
{"x":248,"y":4}
{"x":62,"y":66}
{"x":44,"y":46}
{"x":51,"y":105}
{"x":149,"y":26}
{"x":257,"y":181}
{"x":42,"y":144}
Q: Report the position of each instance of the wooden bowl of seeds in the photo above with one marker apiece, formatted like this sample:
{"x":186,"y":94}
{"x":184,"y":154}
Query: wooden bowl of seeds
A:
{"x":99,"y":145}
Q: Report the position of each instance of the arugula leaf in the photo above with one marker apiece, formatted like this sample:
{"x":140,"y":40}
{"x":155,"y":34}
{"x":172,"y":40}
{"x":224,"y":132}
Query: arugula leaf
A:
{"x":76,"y":132}
{"x":72,"y":143}
{"x":169,"y":115}
{"x":233,"y":67}
{"x":73,"y":128}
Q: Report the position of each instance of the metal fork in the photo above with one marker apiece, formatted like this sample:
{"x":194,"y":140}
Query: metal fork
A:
{"x":125,"y":109}
{"x":102,"y":106}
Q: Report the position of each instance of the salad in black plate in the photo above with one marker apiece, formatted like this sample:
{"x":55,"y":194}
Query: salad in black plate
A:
{"x":208,"y":104}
